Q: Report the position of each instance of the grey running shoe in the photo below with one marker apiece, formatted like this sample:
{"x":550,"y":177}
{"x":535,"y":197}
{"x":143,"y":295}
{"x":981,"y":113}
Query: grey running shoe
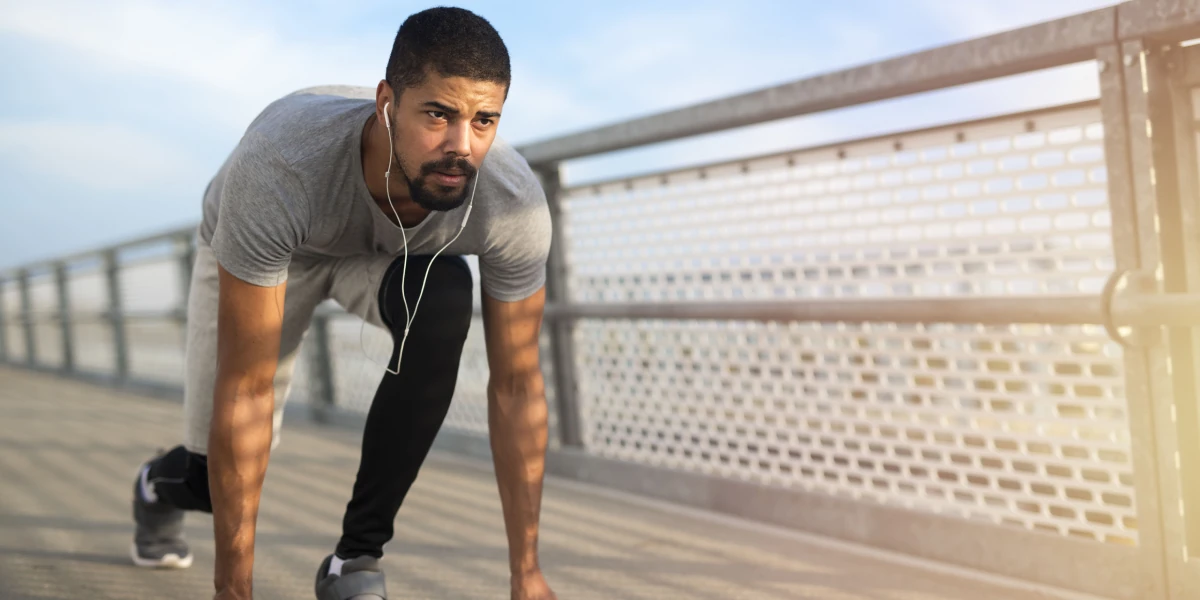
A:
{"x":361,"y":579}
{"x":158,"y":542}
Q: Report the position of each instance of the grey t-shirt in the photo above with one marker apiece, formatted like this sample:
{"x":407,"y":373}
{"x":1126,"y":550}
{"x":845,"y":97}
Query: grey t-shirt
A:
{"x":294,"y":187}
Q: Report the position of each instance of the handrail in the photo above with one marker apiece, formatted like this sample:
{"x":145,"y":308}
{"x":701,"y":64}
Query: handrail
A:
{"x":1128,"y":310}
{"x":49,"y":263}
{"x":1055,"y":310}
{"x":1161,"y":20}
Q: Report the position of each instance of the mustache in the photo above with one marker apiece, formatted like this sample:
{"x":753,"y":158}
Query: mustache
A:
{"x":450,"y":164}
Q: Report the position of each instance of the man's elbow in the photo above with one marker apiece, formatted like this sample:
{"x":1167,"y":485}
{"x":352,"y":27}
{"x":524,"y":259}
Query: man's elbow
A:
{"x":517,"y":403}
{"x":244,"y":388}
{"x":516,"y":386}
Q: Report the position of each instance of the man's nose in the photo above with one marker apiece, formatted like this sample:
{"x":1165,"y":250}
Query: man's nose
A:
{"x":458,"y":139}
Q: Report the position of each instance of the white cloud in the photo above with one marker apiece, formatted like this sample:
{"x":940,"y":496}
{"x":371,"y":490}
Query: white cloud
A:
{"x":236,"y":56}
{"x":100,"y":157}
{"x":539,"y":104}
{"x":975,"y":18}
{"x":644,"y":43}
{"x":854,"y":39}
{"x":650,"y":61}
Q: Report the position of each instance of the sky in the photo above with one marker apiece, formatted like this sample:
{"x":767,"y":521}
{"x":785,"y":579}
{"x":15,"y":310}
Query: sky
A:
{"x":115,"y":114}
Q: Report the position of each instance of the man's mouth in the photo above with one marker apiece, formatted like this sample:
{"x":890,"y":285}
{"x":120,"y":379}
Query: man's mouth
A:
{"x":449,"y":178}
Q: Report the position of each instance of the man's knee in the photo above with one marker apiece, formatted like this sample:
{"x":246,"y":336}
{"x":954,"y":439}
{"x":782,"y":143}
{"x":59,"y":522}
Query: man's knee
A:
{"x":446,"y":303}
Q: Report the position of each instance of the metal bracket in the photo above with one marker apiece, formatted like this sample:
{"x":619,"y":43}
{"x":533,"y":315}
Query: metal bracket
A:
{"x":1137,"y":282}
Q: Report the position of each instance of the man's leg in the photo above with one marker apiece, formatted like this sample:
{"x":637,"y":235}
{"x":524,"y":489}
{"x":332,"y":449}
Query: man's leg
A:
{"x":177,"y":480}
{"x":409,"y":407}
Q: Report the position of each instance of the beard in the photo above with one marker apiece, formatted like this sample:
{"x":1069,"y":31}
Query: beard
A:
{"x":434,"y":196}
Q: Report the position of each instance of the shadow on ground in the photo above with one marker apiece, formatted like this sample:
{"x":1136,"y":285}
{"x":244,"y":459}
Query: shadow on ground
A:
{"x":68,"y":453}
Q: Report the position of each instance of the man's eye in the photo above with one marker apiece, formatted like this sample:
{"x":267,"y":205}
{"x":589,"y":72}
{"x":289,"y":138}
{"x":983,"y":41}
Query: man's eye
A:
{"x":486,"y":122}
{"x":437,"y":114}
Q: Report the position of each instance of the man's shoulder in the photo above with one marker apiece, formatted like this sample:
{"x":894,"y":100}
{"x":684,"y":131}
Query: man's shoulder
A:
{"x":506,"y":172}
{"x":310,"y":121}
{"x":351,"y":92}
{"x":317,"y":101}
{"x":516,"y":208}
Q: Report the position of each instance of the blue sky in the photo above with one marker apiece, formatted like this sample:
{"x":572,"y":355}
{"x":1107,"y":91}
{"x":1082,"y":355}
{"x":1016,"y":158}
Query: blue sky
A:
{"x":113,"y":115}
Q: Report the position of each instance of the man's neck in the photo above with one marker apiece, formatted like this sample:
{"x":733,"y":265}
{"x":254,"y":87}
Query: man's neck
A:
{"x":375,"y":154}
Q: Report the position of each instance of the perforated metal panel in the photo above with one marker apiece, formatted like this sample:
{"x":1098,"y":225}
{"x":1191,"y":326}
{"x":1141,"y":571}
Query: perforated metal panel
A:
{"x":468,"y":412}
{"x":355,"y":376}
{"x":14,"y":331}
{"x":88,"y":293}
{"x":49,"y":346}
{"x":1005,"y":211}
{"x":1021,"y":425}
{"x":92,"y":333}
{"x":43,"y":296}
{"x":156,"y":350}
{"x":14,"y":342}
{"x":151,"y":286}
{"x":95,"y":350}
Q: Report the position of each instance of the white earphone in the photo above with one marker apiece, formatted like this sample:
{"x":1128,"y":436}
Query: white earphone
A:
{"x":409,"y":315}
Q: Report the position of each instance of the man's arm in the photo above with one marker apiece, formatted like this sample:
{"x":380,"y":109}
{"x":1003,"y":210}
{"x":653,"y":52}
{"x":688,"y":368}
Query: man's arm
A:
{"x":239,"y":443}
{"x":517,"y":422}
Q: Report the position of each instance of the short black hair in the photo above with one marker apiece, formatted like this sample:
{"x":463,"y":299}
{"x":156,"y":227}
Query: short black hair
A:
{"x":453,"y":42}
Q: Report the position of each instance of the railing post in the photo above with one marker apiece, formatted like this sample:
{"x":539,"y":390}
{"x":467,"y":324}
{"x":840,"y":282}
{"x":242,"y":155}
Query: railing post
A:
{"x":27,"y":318}
{"x":116,"y":314}
{"x":562,"y":342}
{"x":3,"y":325}
{"x":324,"y":398}
{"x":1163,"y":158}
{"x":1134,"y":248}
{"x":64,"y":316}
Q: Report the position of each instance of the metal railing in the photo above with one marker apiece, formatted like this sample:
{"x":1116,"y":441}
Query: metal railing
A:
{"x":951,"y":342}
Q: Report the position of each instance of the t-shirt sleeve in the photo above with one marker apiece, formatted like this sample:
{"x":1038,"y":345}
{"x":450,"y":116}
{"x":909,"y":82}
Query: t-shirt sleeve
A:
{"x":263,"y":214}
{"x":514,"y":266}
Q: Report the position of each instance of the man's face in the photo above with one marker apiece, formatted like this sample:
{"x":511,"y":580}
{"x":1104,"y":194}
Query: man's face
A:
{"x":441,"y":130}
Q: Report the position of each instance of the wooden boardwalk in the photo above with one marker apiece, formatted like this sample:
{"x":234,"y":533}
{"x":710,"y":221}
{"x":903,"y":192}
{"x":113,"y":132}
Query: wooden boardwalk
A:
{"x":69,"y":450}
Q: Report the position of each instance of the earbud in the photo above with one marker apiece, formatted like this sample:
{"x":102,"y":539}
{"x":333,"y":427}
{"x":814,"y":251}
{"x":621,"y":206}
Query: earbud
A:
{"x":386,"y":120}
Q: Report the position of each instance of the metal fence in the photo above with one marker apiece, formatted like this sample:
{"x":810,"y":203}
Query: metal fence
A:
{"x":972,"y":343}
{"x":119,"y":317}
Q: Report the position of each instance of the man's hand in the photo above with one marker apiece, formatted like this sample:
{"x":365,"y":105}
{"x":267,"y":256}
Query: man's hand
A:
{"x":230,"y":594}
{"x":531,"y":586}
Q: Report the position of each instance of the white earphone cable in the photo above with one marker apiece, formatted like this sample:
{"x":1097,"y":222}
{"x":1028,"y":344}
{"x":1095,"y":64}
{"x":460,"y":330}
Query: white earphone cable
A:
{"x":409,"y":316}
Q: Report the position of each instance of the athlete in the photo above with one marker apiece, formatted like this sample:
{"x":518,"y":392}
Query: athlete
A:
{"x":372,"y":203}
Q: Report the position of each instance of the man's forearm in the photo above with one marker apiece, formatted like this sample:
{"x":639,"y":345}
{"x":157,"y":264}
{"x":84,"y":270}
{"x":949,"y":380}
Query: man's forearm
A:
{"x":239,"y":446}
{"x":517,"y":422}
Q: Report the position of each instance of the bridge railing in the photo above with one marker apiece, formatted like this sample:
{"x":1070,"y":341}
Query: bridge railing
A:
{"x":971,"y":343}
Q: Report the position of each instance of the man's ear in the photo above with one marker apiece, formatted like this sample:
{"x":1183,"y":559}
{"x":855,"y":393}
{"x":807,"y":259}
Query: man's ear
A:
{"x":383,"y":96}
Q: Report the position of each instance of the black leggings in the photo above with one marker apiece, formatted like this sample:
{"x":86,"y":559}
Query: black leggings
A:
{"x":405,"y":415}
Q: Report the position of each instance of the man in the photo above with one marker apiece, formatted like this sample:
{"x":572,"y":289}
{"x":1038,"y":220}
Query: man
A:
{"x":367,"y":203}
